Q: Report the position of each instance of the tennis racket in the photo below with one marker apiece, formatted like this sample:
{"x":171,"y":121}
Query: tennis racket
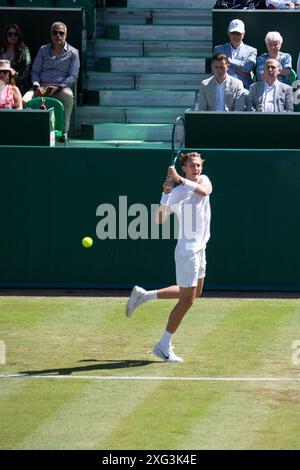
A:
{"x":178,"y":136}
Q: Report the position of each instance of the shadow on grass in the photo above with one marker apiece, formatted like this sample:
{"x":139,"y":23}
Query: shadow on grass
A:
{"x":104,"y":365}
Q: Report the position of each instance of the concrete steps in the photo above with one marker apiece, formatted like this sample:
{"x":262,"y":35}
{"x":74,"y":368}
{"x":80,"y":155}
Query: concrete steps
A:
{"x":129,"y":114}
{"x":117,"y":143}
{"x":127,"y":132}
{"x":159,"y":4}
{"x":119,"y":16}
{"x":159,"y":32}
{"x":145,"y":65}
{"x":97,"y":80}
{"x":146,"y":98}
{"x":115,"y":48}
{"x":172,"y":4}
{"x":134,"y":65}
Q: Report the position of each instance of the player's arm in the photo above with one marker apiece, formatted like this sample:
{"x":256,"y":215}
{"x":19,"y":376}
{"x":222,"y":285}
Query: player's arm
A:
{"x":203,"y":188}
{"x":163,"y":211}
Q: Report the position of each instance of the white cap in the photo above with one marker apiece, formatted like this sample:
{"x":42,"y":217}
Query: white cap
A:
{"x":236,"y":25}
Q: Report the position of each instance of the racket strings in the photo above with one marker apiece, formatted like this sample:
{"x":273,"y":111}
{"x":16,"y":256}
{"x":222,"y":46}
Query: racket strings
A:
{"x":178,"y":136}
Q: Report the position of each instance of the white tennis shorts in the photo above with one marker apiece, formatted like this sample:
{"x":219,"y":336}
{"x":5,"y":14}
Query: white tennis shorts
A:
{"x":190,"y":267}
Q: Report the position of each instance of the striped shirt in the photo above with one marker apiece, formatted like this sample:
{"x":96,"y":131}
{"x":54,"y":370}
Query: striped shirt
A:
{"x":61,"y":69}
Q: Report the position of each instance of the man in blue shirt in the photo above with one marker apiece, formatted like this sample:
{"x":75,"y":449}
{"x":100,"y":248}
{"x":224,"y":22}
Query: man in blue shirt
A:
{"x":242,"y":58}
{"x":54,"y":71}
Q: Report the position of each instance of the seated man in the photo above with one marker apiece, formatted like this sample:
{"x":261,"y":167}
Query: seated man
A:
{"x":270,"y":95}
{"x":221,"y":92}
{"x":241,"y":57}
{"x":55,"y":69}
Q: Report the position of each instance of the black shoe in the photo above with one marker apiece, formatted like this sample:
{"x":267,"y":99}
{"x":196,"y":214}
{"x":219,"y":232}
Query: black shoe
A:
{"x":63,"y":138}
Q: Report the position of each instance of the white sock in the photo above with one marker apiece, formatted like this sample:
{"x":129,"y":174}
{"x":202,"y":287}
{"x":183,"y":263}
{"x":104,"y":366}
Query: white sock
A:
{"x":150,"y":295}
{"x":165,"y":340}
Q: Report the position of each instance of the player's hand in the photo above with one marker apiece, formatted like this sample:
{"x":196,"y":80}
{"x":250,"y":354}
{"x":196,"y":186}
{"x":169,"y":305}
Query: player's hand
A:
{"x":168,"y":186}
{"x":53,"y":89}
{"x":173,"y":175}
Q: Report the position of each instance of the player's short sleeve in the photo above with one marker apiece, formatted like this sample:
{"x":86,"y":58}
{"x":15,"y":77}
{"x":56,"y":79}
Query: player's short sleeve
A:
{"x":205,"y":180}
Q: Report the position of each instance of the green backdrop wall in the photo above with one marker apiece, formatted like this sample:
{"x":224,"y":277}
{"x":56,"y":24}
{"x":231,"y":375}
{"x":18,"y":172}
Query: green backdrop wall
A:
{"x":49,"y":199}
{"x":251,"y":130}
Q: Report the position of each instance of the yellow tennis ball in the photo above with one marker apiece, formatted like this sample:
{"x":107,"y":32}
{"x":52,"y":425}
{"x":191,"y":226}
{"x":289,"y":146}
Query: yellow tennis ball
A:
{"x":87,"y":242}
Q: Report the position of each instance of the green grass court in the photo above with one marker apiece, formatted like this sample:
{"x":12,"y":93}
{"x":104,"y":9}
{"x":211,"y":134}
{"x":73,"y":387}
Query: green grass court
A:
{"x":124,"y":398}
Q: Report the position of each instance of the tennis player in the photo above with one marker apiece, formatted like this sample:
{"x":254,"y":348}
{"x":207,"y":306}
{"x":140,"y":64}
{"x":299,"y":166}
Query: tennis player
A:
{"x":190,"y":201}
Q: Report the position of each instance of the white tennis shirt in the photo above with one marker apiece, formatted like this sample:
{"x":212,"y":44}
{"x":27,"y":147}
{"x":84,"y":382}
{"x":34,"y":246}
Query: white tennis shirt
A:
{"x":193,"y":212}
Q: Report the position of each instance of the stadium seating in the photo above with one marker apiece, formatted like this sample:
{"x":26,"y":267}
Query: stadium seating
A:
{"x":59,"y":111}
{"x":86,"y":4}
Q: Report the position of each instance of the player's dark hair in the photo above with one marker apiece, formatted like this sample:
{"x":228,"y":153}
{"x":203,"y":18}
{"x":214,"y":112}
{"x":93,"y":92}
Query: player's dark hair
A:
{"x":221,"y":57}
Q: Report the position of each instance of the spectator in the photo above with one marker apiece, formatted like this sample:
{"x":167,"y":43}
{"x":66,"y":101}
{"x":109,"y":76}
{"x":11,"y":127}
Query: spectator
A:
{"x":298,"y":67}
{"x":270,"y":95}
{"x":282,"y":4}
{"x":242,"y":58}
{"x":221,"y":92}
{"x":15,"y":50}
{"x":10,"y":96}
{"x":239,"y":4}
{"x":274,"y":42}
{"x":55,"y":69}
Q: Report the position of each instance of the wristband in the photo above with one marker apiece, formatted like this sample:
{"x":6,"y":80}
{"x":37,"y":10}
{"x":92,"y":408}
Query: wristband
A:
{"x":165,"y":199}
{"x":190,"y":184}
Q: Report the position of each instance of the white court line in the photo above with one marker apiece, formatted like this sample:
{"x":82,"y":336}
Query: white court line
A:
{"x":122,"y":377}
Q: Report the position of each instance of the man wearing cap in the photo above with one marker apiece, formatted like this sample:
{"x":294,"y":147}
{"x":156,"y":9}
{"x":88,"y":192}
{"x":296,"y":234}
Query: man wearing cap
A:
{"x":242,"y":58}
{"x":221,"y":92}
{"x":270,"y":95}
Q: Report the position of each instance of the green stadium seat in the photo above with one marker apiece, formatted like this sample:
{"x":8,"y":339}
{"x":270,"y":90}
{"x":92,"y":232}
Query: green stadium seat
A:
{"x":86,"y":4}
{"x":293,"y":77}
{"x":3,"y":3}
{"x":59,"y":111}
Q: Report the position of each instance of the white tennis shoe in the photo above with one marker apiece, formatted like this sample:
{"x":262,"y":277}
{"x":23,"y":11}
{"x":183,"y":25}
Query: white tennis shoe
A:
{"x":136,"y":298}
{"x":166,"y":356}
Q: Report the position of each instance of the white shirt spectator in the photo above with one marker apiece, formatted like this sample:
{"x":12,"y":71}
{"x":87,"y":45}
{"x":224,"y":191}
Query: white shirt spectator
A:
{"x":268,"y":98}
{"x":283,"y":4}
{"x":220,"y":99}
{"x":298,"y":66}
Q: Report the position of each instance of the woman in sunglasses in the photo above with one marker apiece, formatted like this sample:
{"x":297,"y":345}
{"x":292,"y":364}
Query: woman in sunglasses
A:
{"x":10,"y":96}
{"x":15,"y":50}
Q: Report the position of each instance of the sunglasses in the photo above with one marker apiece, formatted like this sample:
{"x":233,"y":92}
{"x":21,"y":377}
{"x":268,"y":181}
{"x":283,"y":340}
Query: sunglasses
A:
{"x":56,"y":33}
{"x":4,"y":72}
{"x":12,"y":34}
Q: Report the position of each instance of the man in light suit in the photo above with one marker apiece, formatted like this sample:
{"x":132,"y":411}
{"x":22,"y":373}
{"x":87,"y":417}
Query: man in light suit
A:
{"x":241,"y":57}
{"x":221,"y":92}
{"x":270,"y":95}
